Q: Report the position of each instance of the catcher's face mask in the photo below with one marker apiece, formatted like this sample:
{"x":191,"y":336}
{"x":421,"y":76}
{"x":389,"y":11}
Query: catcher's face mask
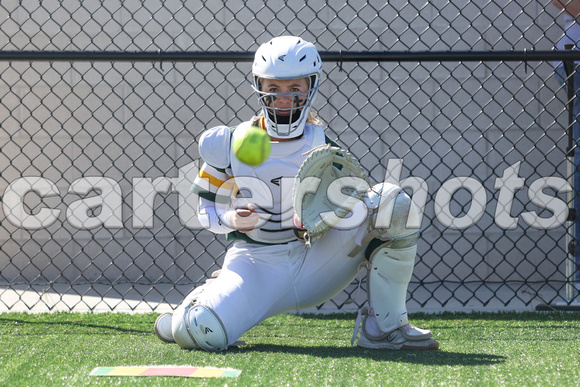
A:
{"x":285,"y":104}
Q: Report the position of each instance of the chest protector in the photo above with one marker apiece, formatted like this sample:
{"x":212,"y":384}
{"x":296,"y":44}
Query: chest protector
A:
{"x":268,"y":186}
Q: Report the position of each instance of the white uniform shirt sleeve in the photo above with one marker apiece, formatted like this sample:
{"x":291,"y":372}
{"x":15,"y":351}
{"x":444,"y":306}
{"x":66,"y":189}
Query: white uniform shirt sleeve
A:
{"x":209,"y":218}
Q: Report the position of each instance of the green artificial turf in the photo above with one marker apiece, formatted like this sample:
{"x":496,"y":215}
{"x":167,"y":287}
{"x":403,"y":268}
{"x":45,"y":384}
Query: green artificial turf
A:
{"x":489,"y":349}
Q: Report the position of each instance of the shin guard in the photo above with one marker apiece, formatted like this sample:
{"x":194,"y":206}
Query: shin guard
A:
{"x":388,"y":278}
{"x":391,"y":261}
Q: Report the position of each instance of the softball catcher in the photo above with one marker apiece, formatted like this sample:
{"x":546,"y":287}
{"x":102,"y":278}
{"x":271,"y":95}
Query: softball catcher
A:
{"x":304,"y":222}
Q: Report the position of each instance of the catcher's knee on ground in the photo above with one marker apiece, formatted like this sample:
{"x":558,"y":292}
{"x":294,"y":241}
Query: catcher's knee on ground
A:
{"x":196,"y":326}
{"x":164,"y":323}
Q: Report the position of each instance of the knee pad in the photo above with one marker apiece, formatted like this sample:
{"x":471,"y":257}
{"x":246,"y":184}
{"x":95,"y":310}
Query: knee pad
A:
{"x":197,"y":326}
{"x":395,"y":220}
{"x":396,"y":216}
{"x":394,"y":224}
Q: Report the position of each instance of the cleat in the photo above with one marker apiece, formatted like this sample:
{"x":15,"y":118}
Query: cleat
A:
{"x":407,"y":337}
{"x":163,"y":328}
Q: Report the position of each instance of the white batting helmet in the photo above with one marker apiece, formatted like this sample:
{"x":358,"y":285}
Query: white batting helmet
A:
{"x":286,"y":57}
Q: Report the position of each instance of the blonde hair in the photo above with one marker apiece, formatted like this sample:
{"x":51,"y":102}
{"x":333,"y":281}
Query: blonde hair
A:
{"x":314,"y":118}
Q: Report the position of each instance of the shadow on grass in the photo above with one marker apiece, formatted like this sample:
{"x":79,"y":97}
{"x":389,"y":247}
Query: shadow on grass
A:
{"x":30,"y":327}
{"x":554,"y":315}
{"x":442,"y":358}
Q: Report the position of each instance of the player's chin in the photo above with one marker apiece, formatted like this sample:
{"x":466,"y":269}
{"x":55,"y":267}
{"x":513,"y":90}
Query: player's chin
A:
{"x":286,"y":118}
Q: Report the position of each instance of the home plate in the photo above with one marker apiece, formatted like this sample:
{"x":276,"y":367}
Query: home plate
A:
{"x":183,"y":371}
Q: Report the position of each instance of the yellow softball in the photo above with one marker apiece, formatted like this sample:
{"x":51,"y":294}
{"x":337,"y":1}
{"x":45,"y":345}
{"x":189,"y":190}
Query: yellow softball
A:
{"x":251,"y":145}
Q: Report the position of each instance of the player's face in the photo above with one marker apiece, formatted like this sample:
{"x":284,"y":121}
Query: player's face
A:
{"x":286,"y":94}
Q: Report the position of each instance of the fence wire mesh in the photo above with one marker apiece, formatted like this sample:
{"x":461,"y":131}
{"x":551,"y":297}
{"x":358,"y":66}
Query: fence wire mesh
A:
{"x":97,"y":157}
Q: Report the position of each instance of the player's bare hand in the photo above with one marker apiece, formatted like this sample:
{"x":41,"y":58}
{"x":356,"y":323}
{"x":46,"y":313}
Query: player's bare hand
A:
{"x":299,"y":229}
{"x":244,"y":219}
{"x":297,"y":222}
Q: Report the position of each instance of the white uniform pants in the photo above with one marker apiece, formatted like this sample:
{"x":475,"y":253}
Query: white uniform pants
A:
{"x":258,"y":282}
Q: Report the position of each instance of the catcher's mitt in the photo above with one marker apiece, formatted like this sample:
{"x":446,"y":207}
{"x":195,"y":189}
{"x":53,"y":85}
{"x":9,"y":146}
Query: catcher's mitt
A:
{"x":324,"y":166}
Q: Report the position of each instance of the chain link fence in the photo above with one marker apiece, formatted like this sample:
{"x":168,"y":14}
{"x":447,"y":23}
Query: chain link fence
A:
{"x":98,"y":155}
